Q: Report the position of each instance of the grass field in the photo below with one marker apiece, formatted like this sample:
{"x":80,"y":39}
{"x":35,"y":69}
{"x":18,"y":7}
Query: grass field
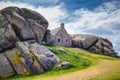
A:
{"x":86,"y":66}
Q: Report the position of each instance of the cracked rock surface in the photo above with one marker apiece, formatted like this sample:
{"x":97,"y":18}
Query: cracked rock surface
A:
{"x":94,"y":44}
{"x":21,"y":52}
{"x":20,"y":25}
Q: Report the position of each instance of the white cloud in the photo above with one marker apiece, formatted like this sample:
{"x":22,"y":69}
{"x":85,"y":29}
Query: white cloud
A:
{"x":105,"y":17}
{"x":102,"y":15}
{"x":52,"y":14}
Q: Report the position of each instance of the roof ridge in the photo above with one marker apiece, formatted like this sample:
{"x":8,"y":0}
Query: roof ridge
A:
{"x":54,"y":31}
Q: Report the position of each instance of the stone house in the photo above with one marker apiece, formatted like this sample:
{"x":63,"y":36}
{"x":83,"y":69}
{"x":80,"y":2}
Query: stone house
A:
{"x":58,"y":37}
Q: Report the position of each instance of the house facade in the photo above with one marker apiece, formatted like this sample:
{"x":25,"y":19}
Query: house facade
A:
{"x":58,"y":37}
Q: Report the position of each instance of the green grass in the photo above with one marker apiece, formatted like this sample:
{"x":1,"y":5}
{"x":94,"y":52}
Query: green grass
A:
{"x":80,"y":59}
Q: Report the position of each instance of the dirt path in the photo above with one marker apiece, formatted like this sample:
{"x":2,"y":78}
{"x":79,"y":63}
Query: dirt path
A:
{"x":102,"y":67}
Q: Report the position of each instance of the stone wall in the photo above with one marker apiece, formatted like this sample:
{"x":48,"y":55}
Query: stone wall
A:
{"x":62,"y":38}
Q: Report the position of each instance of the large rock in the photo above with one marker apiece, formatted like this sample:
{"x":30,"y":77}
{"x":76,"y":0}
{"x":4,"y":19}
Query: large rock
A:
{"x":21,"y":52}
{"x":94,"y":44}
{"x":44,"y":55}
{"x":84,"y":41}
{"x":20,"y":24}
{"x":28,"y":58}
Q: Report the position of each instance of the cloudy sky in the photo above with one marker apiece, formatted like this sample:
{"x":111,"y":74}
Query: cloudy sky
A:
{"x":98,"y":17}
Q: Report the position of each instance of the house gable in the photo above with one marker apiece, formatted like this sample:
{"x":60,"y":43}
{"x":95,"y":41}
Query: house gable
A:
{"x":62,"y":32}
{"x":58,"y":37}
{"x":55,"y":31}
{"x":63,"y":38}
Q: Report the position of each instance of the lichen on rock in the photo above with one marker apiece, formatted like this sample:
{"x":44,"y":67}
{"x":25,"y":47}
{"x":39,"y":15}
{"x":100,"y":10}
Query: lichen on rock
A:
{"x":21,"y":31}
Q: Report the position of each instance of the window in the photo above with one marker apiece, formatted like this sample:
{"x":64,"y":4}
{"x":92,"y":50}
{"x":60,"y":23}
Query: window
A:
{"x":66,"y":40}
{"x":58,"y":40}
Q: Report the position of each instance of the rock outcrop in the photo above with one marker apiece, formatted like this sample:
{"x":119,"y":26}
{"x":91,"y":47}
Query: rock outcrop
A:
{"x":20,"y":25}
{"x":94,"y":44}
{"x":27,"y":58}
{"x":21,"y":52}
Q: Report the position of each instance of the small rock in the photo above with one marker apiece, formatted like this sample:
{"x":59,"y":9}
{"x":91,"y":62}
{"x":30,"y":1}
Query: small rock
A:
{"x":61,"y":50}
{"x":64,"y":65}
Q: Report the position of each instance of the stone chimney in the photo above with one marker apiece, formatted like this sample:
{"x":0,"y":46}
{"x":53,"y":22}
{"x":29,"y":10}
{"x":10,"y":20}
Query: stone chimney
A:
{"x":62,"y":25}
{"x":48,"y":31}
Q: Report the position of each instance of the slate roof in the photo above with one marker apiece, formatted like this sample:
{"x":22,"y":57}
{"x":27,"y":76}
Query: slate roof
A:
{"x":55,"y":31}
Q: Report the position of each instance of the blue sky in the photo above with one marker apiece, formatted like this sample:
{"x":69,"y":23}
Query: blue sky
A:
{"x":97,"y":17}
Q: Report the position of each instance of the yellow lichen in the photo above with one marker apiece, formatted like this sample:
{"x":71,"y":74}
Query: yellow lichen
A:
{"x":7,"y":75}
{"x":16,"y":58}
{"x":25,"y":73}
